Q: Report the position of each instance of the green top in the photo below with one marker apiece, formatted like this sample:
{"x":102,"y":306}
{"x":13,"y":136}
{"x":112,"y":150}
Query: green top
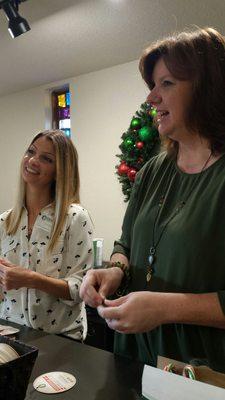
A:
{"x":190,"y":255}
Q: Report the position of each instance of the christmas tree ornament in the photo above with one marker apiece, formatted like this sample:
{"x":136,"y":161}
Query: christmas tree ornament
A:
{"x":139,"y":145}
{"x":128,"y":143}
{"x":123,"y":169}
{"x":145,"y":133}
{"x":153,"y":112}
{"x":135,"y":123}
{"x":131,"y":174}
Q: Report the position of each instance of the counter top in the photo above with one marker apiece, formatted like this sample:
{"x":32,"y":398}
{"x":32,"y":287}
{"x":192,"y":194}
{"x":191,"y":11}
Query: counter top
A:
{"x":100,"y":374}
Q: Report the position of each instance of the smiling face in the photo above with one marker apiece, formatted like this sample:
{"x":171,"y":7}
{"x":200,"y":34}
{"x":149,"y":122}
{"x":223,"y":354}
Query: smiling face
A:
{"x":39,"y":164}
{"x":171,"y":98}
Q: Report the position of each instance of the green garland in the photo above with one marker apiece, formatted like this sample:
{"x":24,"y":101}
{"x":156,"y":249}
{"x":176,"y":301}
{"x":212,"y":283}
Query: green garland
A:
{"x":139,"y":143}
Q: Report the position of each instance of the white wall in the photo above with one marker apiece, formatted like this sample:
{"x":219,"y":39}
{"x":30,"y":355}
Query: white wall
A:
{"x":21,"y":115}
{"x":103,"y":104}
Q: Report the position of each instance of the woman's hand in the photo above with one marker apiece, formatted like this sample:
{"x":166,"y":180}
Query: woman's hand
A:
{"x":99,"y":283}
{"x":143,"y":311}
{"x":14,"y":277}
{"x":134,"y":313}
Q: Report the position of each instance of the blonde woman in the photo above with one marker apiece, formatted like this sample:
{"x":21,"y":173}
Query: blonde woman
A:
{"x":46,"y":241}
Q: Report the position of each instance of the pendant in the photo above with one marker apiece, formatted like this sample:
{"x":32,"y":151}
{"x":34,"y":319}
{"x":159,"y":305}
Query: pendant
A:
{"x":151,"y":260}
{"x":149,"y":274}
{"x":151,"y":257}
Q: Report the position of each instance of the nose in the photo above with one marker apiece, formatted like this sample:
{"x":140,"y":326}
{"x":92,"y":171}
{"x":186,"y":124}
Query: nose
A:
{"x":154,"y":97}
{"x":34,"y":160}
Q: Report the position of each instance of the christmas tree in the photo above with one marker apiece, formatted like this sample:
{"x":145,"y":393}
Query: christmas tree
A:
{"x":139,"y":143}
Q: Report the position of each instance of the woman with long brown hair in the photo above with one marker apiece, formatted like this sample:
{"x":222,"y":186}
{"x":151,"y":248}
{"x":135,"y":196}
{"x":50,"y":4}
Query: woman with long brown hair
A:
{"x":173,"y":240}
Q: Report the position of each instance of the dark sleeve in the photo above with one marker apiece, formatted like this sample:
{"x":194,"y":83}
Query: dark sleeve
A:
{"x":122,"y":245}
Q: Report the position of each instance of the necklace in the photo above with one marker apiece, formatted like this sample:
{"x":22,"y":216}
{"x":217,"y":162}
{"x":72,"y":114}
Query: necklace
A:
{"x":178,"y":208}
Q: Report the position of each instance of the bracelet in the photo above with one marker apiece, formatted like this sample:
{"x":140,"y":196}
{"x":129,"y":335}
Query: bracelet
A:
{"x":122,"y":266}
{"x":189,"y":372}
{"x":126,"y":277}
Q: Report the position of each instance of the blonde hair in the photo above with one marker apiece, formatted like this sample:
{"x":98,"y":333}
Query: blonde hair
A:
{"x":65,"y":188}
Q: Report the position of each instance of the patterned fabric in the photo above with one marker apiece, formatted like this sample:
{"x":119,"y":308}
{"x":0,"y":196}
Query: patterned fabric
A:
{"x":69,"y":260}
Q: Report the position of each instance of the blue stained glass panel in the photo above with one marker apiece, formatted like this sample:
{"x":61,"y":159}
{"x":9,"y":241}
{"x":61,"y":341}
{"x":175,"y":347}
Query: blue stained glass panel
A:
{"x":67,"y":132}
{"x":68,"y":98}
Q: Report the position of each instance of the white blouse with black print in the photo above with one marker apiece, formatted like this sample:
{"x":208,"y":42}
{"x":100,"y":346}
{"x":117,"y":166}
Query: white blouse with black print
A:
{"x":69,"y":260}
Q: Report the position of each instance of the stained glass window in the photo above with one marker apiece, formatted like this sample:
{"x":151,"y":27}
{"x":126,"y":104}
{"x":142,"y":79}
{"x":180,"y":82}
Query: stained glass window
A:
{"x":61,"y":110}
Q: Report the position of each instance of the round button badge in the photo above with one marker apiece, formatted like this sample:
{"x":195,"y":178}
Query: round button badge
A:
{"x":54,"y":382}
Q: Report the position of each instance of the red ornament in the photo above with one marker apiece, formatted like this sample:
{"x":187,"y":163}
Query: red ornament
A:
{"x":139,"y":145}
{"x":123,"y":169}
{"x":131,"y":174}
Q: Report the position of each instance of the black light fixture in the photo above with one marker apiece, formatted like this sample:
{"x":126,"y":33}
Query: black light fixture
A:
{"x":17,"y":25}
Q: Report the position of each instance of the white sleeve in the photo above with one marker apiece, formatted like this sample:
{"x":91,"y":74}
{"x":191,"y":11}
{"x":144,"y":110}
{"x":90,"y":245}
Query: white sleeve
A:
{"x":78,"y":255}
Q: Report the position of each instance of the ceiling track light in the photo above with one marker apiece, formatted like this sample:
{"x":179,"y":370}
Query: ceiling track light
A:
{"x":17,"y":25}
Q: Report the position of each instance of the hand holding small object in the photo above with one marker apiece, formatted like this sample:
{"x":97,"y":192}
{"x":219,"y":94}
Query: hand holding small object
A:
{"x":98,"y":284}
{"x":13,"y":276}
{"x":134,"y":313}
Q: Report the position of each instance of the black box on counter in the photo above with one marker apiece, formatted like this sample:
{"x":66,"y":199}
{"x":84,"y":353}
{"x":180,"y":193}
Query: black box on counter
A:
{"x":15,"y":374}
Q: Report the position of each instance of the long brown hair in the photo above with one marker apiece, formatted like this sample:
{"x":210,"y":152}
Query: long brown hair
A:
{"x":198,"y":56}
{"x":65,"y":189}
